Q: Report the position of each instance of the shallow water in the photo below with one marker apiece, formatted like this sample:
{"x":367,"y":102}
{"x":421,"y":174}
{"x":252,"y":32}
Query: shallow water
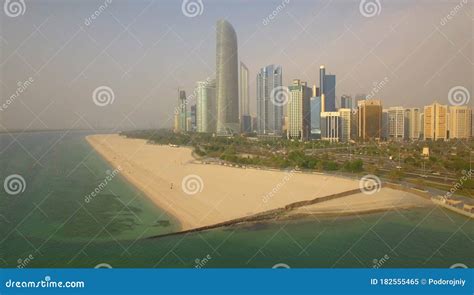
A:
{"x":51,"y":224}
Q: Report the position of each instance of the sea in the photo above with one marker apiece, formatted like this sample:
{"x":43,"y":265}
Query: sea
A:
{"x":56,"y":211}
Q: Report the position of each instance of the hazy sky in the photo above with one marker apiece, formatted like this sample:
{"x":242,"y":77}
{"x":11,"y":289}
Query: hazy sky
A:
{"x":145,"y":50}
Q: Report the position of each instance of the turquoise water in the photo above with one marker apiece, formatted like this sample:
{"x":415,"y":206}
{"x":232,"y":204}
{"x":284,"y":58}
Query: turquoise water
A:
{"x":51,"y":225}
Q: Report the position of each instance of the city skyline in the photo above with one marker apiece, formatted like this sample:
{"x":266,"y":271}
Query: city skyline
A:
{"x":145,"y":51}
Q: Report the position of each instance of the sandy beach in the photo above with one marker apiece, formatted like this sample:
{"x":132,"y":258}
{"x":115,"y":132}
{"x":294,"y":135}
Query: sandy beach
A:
{"x":203,"y":194}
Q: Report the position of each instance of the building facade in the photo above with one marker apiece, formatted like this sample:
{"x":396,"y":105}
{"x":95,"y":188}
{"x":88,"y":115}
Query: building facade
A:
{"x":298,"y":111}
{"x":435,"y":122}
{"x":315,"y":103}
{"x":206,"y":107}
{"x":396,"y":123}
{"x":345,"y":114}
{"x":346,"y":102}
{"x":245,"y":120}
{"x":460,"y":122}
{"x":269,"y":109}
{"x":331,"y":126}
{"x":227,"y":81}
{"x":413,"y":124}
{"x":370,"y":119}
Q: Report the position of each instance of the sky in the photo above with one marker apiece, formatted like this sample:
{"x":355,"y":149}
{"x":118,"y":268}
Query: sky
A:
{"x":143,"y":51}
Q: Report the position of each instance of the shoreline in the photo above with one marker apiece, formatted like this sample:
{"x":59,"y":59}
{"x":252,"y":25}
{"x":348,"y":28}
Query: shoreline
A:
{"x":230,"y":195}
{"x":131,"y":181}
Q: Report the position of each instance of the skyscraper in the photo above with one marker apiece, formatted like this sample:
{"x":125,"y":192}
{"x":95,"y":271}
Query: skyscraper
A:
{"x":227,"y":81}
{"x":345,"y":115}
{"x":315,"y":117}
{"x":413,"y":126}
{"x":269,"y":109}
{"x":384,"y":134}
{"x":206,"y":106}
{"x":182,"y":111}
{"x":245,"y":120}
{"x":460,"y":122}
{"x":327,"y":88}
{"x":331,"y":126}
{"x":346,"y":102}
{"x":299,"y":112}
{"x":370,"y":119}
{"x":396,"y":123}
{"x":193,"y":118}
{"x":435,"y":122}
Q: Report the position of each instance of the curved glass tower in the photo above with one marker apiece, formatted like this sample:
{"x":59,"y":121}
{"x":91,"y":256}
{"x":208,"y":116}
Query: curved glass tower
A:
{"x":227,"y":81}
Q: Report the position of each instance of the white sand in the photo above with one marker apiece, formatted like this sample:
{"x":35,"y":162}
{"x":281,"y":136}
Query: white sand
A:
{"x":385,"y":199}
{"x":225,"y":193}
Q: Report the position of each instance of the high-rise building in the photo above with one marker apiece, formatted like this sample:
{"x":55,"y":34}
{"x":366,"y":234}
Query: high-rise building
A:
{"x":270,"y":109}
{"x":298,"y":111}
{"x":460,"y":122}
{"x":384,"y":135}
{"x":193,"y":118}
{"x":413,"y":126}
{"x":396,"y":123}
{"x":182,"y":111}
{"x":206,"y":106}
{"x":327,"y":87}
{"x":346,"y":102}
{"x":359,"y":97}
{"x":345,"y":114}
{"x":435,"y":122}
{"x":331,"y":126}
{"x":245,"y":120}
{"x":315,"y":117}
{"x":227,"y":81}
{"x":422,"y":124}
{"x":370,"y":119}
{"x":354,"y":124}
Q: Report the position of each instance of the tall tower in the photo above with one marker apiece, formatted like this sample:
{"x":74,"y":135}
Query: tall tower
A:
{"x":396,"y":123}
{"x":245,"y":120}
{"x":327,"y":89}
{"x":227,"y":81}
{"x":299,"y":111}
{"x":370,"y":119}
{"x":269,"y":109}
{"x":182,"y":111}
{"x":206,"y":107}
